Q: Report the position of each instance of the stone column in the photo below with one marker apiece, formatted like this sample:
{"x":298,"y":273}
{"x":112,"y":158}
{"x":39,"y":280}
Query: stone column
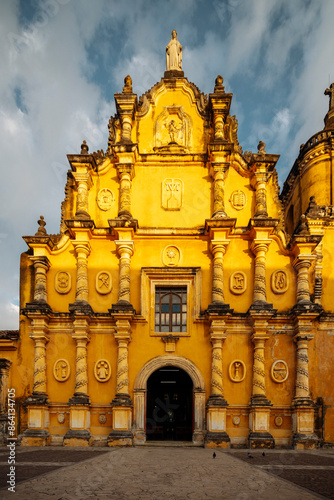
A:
{"x":261,"y":194}
{"x":125,"y":251}
{"x":302,"y":265}
{"x":4,"y":376}
{"x":84,"y":182}
{"x":302,"y":374}
{"x":121,"y":435}
{"x":218,"y":249}
{"x":216,"y":405}
{"x":259,"y":387}
{"x":39,"y":387}
{"x":41,"y":265}
{"x":79,"y":433}
{"x":125,"y":173}
{"x":218,"y":123}
{"x":219,"y":174}
{"x":82,"y":250}
{"x":260,"y":248}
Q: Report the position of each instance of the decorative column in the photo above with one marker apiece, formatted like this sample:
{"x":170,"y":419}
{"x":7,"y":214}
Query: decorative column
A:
{"x":259,"y":416}
{"x":219,"y":175}
{"x":218,"y":250}
{"x":83,"y":179}
{"x":216,"y":436}
{"x":125,"y":173}
{"x":37,"y":433}
{"x":303,"y":436}
{"x":41,"y":266}
{"x":79,"y":434}
{"x":121,"y":435}
{"x":261,"y":194}
{"x":259,"y":249}
{"x":302,"y":266}
{"x":4,"y":376}
{"x":125,"y":250}
{"x":82,"y":250}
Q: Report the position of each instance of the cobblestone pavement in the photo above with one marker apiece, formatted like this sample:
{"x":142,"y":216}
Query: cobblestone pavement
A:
{"x":176,"y":473}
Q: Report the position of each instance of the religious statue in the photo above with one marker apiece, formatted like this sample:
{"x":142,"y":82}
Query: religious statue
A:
{"x":329,"y":92}
{"x":174,"y":54}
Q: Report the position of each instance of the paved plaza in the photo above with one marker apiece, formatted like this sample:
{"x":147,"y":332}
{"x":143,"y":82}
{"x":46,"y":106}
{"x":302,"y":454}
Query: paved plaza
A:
{"x":175,"y":472}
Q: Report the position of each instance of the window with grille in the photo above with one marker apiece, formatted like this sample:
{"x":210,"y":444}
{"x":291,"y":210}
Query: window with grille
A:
{"x":171,"y":309}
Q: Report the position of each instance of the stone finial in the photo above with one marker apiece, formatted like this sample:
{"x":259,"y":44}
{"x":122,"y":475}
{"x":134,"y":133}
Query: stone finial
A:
{"x":84,"y":148}
{"x":302,"y":229}
{"x":127,"y":89}
{"x":219,"y":87}
{"x":41,"y":230}
{"x":261,"y":147}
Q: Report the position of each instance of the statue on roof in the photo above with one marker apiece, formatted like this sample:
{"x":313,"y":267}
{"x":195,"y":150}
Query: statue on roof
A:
{"x":174,"y":53}
{"x":330,"y":92}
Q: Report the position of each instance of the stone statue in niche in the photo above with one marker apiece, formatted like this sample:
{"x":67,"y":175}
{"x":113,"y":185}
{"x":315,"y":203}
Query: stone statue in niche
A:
{"x":174,"y":53}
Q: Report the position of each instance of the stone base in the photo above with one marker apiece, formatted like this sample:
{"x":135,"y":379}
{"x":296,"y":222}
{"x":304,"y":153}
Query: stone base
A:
{"x":81,"y":307}
{"x":260,"y":440}
{"x":120,"y":438}
{"x":122,"y":306}
{"x":80,"y":437}
{"x":174,"y":73}
{"x":216,"y":440}
{"x":218,"y":308}
{"x":37,"y":306}
{"x":305,"y":441}
{"x":35,"y":437}
{"x":79,"y":399}
{"x":261,"y":306}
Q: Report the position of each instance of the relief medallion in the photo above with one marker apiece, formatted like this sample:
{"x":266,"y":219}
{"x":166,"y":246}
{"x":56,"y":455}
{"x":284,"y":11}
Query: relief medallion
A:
{"x":238,"y":282}
{"x":102,"y":370}
{"x":105,"y":199}
{"x":279,"y":371}
{"x":237,"y":370}
{"x":61,"y":370}
{"x":63,"y":282}
{"x":103,"y":282}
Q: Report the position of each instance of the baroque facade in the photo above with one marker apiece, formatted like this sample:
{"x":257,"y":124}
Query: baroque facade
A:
{"x":184,"y":298}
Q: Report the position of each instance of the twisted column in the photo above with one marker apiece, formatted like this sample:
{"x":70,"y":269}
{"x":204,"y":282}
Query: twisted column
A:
{"x":218,"y":120}
{"x":217,"y":366}
{"x":125,"y":251}
{"x":123,"y":337}
{"x":218,"y":250}
{"x":126,"y":128}
{"x":261,"y":194}
{"x":81,"y":338}
{"x":39,"y":387}
{"x":82,"y":251}
{"x":84,"y":182}
{"x":302,"y":266}
{"x":219,"y":174}
{"x":125,"y":175}
{"x":259,"y":386}
{"x":260,"y":248}
{"x":41,"y":266}
{"x":302,"y":374}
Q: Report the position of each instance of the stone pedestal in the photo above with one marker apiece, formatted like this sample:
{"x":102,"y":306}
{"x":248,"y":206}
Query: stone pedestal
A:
{"x":259,"y":436}
{"x":121,"y":435}
{"x":216,"y":437}
{"x":79,"y":434}
{"x":303,"y":437}
{"x":37,"y":433}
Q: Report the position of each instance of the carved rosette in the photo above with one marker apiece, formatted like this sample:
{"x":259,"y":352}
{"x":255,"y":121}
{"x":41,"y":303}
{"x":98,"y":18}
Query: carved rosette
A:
{"x":218,"y":250}
{"x":84,"y":182}
{"x":125,"y":251}
{"x":302,"y":266}
{"x":40,"y":363}
{"x":82,"y":251}
{"x":123,"y":336}
{"x":302,"y":374}
{"x":260,"y":248}
{"x":125,"y":175}
{"x":259,"y":386}
{"x":218,"y":192}
{"x":41,"y":266}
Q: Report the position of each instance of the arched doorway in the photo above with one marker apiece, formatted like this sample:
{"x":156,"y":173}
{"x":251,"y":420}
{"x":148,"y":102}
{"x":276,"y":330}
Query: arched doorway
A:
{"x":140,"y":392}
{"x":169,"y":405}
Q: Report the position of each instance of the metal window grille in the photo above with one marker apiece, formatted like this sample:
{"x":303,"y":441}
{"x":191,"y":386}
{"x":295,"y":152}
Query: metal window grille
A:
{"x":171,"y":309}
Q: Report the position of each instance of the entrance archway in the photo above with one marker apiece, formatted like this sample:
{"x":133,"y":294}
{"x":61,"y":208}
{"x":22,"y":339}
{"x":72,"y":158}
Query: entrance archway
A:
{"x":169,"y":405}
{"x":198,"y":391}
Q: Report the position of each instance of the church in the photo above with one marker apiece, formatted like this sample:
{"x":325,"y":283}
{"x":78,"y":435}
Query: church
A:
{"x":185,"y":298}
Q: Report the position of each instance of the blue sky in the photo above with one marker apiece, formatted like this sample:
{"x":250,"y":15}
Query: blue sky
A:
{"x":63,"y":60}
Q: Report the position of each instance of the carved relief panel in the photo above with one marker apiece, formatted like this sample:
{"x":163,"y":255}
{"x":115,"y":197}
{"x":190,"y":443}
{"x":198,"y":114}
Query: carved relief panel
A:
{"x":171,"y":255}
{"x":279,"y":281}
{"x":63,"y":282}
{"x":237,"y":370}
{"x":238,"y":282}
{"x":173,"y":127}
{"x":61,"y":370}
{"x":102,"y":370}
{"x":103,"y":282}
{"x":238,"y":200}
{"x":172,"y":194}
{"x":279,"y":371}
{"x":105,"y":199}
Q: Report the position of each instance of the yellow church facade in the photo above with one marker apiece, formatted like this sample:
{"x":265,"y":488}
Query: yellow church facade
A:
{"x":184,"y":299}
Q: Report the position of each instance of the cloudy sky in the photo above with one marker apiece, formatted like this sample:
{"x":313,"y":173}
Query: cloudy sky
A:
{"x":62,"y":61}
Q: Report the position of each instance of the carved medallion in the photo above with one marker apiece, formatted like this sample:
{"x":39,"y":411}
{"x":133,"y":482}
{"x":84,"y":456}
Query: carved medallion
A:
{"x":236,"y":420}
{"x":61,"y":418}
{"x":278,"y":421}
{"x":103,"y":282}
{"x":238,"y":199}
{"x":237,"y":370}
{"x":105,"y":199}
{"x":173,"y":128}
{"x":238,"y":282}
{"x":172,"y":194}
{"x":61,"y":370}
{"x":279,"y":371}
{"x":102,"y":419}
{"x":171,"y":255}
{"x":102,"y":370}
{"x":279,"y":281}
{"x":63,"y":282}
